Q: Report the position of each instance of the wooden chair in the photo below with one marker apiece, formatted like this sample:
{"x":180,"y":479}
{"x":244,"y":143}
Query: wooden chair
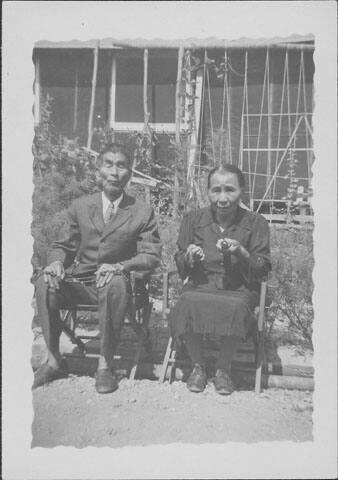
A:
{"x":170,"y":357}
{"x":137,"y":318}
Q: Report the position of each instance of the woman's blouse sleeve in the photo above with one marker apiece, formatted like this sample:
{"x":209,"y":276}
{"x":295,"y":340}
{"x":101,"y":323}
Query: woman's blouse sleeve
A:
{"x":185,"y":238}
{"x":259,"y":249}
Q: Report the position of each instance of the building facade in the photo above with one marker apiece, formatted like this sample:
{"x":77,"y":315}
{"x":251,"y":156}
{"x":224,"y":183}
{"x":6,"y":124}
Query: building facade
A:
{"x":249,"y":103}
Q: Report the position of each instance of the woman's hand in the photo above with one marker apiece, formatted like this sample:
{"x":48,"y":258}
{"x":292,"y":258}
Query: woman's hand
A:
{"x":194,"y":254}
{"x":230,"y":246}
{"x":227,"y":245}
{"x":106,"y":272}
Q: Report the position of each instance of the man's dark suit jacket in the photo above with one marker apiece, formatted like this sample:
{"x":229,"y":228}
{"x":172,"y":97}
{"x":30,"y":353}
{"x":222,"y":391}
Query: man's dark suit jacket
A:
{"x":130,"y":238}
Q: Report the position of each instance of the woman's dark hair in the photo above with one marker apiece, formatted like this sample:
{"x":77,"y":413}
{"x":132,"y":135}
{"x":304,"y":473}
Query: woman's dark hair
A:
{"x":228,"y":167}
{"x":114,"y":148}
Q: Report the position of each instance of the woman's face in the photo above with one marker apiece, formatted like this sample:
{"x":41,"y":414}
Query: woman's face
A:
{"x":224,"y":193}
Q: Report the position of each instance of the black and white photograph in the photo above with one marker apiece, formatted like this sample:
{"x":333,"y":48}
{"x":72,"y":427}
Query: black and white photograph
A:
{"x":179,"y":281}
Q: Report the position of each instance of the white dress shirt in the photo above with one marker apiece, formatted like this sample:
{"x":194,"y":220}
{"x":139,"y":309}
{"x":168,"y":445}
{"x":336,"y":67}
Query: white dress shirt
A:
{"x":106,"y":202}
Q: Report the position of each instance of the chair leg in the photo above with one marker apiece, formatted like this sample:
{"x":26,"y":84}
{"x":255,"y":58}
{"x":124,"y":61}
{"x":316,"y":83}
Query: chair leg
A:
{"x":147,"y":314}
{"x":143,"y":334}
{"x":136,"y":360}
{"x":166,"y":360}
{"x":258,"y":380}
{"x":259,"y":361}
{"x":260,"y":337}
{"x":172,"y":373}
{"x":70,"y":332}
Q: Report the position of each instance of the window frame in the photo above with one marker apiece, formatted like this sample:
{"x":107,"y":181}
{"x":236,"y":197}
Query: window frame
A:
{"x":135,"y":126}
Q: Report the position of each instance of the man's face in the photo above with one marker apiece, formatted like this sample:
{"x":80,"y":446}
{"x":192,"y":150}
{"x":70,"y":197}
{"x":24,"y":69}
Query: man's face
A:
{"x":224,"y":193}
{"x":114,"y":173}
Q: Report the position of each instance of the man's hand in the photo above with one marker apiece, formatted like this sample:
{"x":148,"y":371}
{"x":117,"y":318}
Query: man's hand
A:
{"x":53,"y":274}
{"x":194,"y":254}
{"x":106,"y":272}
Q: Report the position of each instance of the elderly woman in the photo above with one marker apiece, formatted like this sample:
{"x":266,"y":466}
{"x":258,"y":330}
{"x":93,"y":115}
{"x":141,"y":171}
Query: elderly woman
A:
{"x":223,"y":252}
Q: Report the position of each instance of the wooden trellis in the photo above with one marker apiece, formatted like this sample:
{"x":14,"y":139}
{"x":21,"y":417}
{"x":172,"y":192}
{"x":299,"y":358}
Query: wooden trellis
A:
{"x":276,"y":154}
{"x":294,"y":120}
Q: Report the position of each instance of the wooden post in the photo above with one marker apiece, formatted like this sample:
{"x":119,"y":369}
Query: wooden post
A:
{"x":145,"y":89}
{"x":76,"y":99}
{"x":288,"y":90}
{"x":270,"y":111}
{"x":227,"y":86}
{"x":195,"y":118}
{"x":241,"y":144}
{"x":178,"y":94}
{"x":246,"y":107}
{"x":147,"y":130}
{"x":190,"y":120}
{"x":37,"y":92}
{"x":177,"y":130}
{"x":92,"y":99}
{"x":112,"y":93}
{"x":198,"y":103}
{"x":260,"y":345}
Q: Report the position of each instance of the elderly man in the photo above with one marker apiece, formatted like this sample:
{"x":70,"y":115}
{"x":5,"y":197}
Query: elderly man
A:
{"x":110,"y":234}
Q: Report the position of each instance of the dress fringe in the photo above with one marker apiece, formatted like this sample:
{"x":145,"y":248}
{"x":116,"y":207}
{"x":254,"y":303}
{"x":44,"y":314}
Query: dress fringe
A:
{"x":221,"y":315}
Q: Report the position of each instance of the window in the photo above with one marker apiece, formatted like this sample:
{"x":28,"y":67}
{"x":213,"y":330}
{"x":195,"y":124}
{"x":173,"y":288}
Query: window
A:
{"x":128,"y":86}
{"x":66,"y":76}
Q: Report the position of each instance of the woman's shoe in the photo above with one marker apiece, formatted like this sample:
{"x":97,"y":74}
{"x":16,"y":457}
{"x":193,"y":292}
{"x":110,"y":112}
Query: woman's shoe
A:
{"x":105,"y":382}
{"x":223,"y":383}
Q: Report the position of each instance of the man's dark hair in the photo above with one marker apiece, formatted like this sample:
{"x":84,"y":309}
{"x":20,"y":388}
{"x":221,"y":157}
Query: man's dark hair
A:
{"x":228,"y":167}
{"x":114,"y":148}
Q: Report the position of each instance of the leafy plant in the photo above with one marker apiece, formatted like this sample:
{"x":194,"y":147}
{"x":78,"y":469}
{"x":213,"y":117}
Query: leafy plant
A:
{"x":62,"y":171}
{"x":292,"y":257}
{"x":295,"y":193}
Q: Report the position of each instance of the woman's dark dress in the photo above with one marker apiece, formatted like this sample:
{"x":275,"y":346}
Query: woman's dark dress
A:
{"x":221,"y":291}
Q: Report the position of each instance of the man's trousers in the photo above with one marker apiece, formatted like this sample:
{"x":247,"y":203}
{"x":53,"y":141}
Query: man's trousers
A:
{"x":112,"y":300}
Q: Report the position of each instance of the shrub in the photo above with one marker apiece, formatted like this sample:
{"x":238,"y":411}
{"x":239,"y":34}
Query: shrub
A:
{"x":292,"y":259}
{"x":62,"y":171}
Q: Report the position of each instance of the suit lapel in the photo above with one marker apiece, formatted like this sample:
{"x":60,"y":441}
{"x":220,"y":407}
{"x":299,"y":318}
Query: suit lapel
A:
{"x":121,"y":216}
{"x":96,"y":213}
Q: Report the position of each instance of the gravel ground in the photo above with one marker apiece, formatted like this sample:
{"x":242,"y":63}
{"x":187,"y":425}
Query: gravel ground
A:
{"x":144,"y":412}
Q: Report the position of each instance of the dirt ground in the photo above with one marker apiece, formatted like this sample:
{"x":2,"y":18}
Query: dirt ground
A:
{"x":144,"y":412}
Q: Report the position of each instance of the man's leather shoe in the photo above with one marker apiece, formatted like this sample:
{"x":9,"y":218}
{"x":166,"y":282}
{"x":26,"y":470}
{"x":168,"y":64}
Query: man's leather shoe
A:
{"x":46,"y":374}
{"x":197,"y":380}
{"x":106,"y":382}
{"x":223,"y":383}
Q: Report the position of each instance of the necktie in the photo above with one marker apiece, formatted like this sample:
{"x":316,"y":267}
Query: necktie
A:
{"x":109,"y":213}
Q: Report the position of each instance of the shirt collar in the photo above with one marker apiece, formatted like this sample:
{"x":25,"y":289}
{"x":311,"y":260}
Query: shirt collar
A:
{"x":106,"y":202}
{"x":241,"y":219}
